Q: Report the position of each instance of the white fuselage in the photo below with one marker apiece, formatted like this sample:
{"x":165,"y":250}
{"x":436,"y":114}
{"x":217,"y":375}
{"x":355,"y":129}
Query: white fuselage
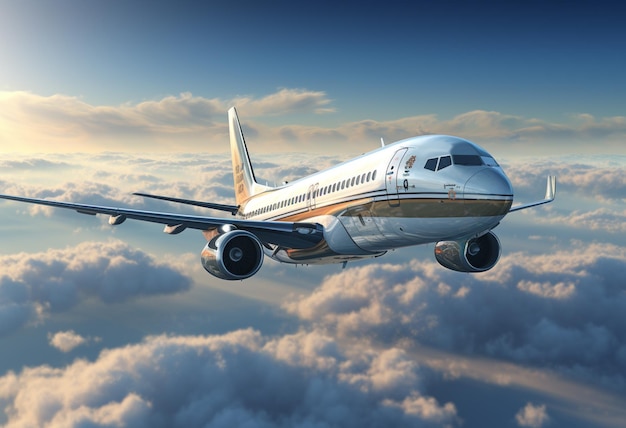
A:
{"x":423,"y":189}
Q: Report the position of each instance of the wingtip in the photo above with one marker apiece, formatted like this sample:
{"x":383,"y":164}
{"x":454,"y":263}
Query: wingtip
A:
{"x":551,"y":187}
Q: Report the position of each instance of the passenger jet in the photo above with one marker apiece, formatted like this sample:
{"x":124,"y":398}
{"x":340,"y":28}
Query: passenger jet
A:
{"x":430,"y":188}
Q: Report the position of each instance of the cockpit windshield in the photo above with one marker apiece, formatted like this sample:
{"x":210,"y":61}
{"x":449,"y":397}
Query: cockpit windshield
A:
{"x":489,"y":161}
{"x":467,"y":160}
{"x":436,"y":164}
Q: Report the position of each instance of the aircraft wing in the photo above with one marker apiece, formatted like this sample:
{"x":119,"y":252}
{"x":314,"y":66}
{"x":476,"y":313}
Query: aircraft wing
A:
{"x":550,"y":195}
{"x":284,"y":234}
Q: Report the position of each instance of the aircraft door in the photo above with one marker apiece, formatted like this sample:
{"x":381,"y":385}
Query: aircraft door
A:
{"x":391,"y":178}
{"x":313,"y":189}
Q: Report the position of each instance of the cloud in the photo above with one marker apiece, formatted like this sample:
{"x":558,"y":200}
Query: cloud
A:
{"x":164,"y":124}
{"x":33,"y":285}
{"x":66,"y":341}
{"x":601,"y":219}
{"x":561,"y":310}
{"x":236,"y":379}
{"x":285,"y":101}
{"x":532,"y":416}
{"x":481,"y":125}
{"x":110,"y":179}
{"x":187,"y":122}
{"x":604,"y":183}
{"x":31,"y":163}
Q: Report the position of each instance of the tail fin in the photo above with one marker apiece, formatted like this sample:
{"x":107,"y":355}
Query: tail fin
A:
{"x":246,"y":185}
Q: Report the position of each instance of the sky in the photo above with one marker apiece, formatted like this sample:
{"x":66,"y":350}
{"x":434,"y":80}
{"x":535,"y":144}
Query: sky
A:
{"x":121,"y":326}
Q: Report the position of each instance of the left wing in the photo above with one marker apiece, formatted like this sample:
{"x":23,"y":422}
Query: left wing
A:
{"x":284,"y":234}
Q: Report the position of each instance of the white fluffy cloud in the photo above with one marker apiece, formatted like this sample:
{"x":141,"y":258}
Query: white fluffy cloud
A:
{"x":562,"y":310}
{"x":605,"y":183}
{"x":529,"y":318}
{"x":41,"y":122}
{"x":237,"y":379}
{"x":35,"y":284}
{"x":186,"y":122}
{"x":66,"y":341}
{"x":532,"y":416}
{"x":601,"y":219}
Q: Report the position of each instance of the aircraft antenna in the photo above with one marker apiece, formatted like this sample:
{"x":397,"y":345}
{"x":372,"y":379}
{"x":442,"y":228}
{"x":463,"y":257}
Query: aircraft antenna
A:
{"x":382,"y":142}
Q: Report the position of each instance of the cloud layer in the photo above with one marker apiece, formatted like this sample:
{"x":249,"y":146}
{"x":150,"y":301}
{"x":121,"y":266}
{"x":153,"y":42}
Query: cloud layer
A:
{"x":187,"y":122}
{"x":33,"y":285}
{"x":237,"y":379}
{"x":164,"y":124}
{"x":560,"y":310}
{"x":371,"y":335}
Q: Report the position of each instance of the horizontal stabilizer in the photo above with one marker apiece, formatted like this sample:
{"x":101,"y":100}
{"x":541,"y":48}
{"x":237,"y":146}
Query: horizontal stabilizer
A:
{"x":228,"y":208}
{"x":549,"y":197}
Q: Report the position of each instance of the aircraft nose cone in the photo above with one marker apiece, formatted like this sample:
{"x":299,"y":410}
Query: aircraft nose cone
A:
{"x":488,"y":181}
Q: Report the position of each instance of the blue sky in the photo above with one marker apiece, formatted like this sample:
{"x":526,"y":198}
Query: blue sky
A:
{"x":106,"y":326}
{"x":536,"y":59}
{"x":527,"y":73}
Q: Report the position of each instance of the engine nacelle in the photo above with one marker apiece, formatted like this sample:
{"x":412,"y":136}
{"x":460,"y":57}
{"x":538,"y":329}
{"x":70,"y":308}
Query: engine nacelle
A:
{"x":232,"y":255}
{"x":474,"y":255}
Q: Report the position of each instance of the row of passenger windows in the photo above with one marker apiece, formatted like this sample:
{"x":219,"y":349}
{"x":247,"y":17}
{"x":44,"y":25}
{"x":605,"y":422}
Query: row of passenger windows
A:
{"x":331,"y":188}
{"x":436,"y":164}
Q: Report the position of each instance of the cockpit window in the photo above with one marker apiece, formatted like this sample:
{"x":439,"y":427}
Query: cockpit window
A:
{"x":431,"y":164}
{"x":489,"y":161}
{"x":444,"y":162}
{"x":467,"y":160}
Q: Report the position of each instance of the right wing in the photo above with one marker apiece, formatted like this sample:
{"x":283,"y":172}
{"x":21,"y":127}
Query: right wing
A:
{"x":550,"y":195}
{"x":284,"y":234}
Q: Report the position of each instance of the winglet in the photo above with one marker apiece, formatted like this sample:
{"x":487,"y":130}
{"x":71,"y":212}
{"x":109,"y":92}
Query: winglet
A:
{"x":551,"y":188}
{"x":549,"y":197}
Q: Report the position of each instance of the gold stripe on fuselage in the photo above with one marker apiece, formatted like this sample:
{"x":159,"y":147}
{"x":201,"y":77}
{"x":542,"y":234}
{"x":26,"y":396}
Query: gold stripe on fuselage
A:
{"x":440,"y":208}
{"x":412,"y":207}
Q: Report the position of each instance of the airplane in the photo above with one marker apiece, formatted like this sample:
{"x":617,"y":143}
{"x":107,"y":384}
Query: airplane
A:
{"x":426,"y":189}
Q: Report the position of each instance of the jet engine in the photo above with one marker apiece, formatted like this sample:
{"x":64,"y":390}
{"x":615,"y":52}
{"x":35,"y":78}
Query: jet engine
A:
{"x":236,"y":254}
{"x":473,"y":255}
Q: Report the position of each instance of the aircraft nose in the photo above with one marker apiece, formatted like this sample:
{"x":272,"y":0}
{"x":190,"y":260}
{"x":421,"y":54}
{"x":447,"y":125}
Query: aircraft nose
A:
{"x":488,"y":181}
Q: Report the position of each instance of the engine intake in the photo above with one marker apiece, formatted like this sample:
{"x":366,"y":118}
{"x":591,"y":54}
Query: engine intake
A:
{"x":232,"y":255}
{"x":474,"y":255}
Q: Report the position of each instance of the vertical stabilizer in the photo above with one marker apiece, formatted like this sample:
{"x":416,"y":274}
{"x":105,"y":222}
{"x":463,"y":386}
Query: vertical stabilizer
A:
{"x":246,"y":185}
